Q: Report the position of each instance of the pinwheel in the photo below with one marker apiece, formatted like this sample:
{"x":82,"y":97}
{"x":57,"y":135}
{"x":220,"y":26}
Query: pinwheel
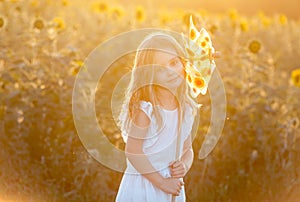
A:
{"x":200,"y":62}
{"x":199,"y":65}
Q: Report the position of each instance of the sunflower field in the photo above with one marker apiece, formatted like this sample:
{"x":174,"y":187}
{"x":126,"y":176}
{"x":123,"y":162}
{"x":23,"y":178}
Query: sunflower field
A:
{"x":43,"y":46}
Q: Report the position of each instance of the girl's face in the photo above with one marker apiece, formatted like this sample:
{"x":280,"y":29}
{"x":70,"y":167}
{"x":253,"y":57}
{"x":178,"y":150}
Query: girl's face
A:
{"x":172,"y":71}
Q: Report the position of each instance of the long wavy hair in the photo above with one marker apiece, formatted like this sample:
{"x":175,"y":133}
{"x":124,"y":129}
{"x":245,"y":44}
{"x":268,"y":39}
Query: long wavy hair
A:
{"x":141,"y":85}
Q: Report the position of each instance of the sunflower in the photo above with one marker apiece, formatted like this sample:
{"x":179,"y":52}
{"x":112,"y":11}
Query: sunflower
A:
{"x":59,"y":23}
{"x":34,"y":3}
{"x":233,"y":14}
{"x":244,"y":25}
{"x":186,"y":19}
{"x":65,"y":2}
{"x":2,"y":22}
{"x":203,"y":13}
{"x":165,"y":18}
{"x":295,"y":122}
{"x":117,"y":13}
{"x":213,"y":29}
{"x":101,"y":7}
{"x":296,"y":77}
{"x":76,"y":65}
{"x":282,"y":19}
{"x":266,"y":21}
{"x":140,"y":14}
{"x":38,"y":24}
{"x":254,"y":46}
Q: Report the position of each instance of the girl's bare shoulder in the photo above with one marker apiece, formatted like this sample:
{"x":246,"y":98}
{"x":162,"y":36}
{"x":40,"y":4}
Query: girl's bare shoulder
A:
{"x":140,"y":118}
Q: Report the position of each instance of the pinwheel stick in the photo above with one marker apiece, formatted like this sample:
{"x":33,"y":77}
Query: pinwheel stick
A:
{"x":178,"y":138}
{"x":217,"y":54}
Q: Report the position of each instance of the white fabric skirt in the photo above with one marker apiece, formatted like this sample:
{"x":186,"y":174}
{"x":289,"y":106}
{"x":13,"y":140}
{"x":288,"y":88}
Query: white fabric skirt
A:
{"x":137,"y":188}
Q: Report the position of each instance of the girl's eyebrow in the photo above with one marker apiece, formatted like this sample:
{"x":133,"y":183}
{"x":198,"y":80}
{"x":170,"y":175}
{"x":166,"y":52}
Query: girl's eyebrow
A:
{"x":174,"y":58}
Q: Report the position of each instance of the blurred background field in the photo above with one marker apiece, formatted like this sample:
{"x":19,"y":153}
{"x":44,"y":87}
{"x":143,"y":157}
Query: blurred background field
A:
{"x":43,"y":45}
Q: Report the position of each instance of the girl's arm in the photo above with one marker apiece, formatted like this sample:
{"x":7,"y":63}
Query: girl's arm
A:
{"x":180,"y":168}
{"x":134,"y":153}
{"x":139,"y":160}
{"x":188,"y":153}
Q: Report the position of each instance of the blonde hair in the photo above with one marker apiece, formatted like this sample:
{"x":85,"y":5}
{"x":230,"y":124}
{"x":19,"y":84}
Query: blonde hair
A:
{"x":137,"y":90}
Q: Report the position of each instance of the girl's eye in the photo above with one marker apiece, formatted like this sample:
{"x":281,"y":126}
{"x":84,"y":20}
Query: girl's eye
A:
{"x":174,"y":62}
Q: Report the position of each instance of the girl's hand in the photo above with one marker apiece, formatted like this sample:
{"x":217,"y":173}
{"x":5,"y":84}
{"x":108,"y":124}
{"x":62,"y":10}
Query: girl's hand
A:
{"x":178,"y":169}
{"x":171,"y":186}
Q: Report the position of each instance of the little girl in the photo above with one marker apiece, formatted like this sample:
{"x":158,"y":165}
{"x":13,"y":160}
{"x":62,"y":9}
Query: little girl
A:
{"x":155,"y":108}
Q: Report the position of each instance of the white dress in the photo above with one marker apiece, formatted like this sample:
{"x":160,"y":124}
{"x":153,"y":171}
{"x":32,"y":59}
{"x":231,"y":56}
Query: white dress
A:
{"x":160,"y":148}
